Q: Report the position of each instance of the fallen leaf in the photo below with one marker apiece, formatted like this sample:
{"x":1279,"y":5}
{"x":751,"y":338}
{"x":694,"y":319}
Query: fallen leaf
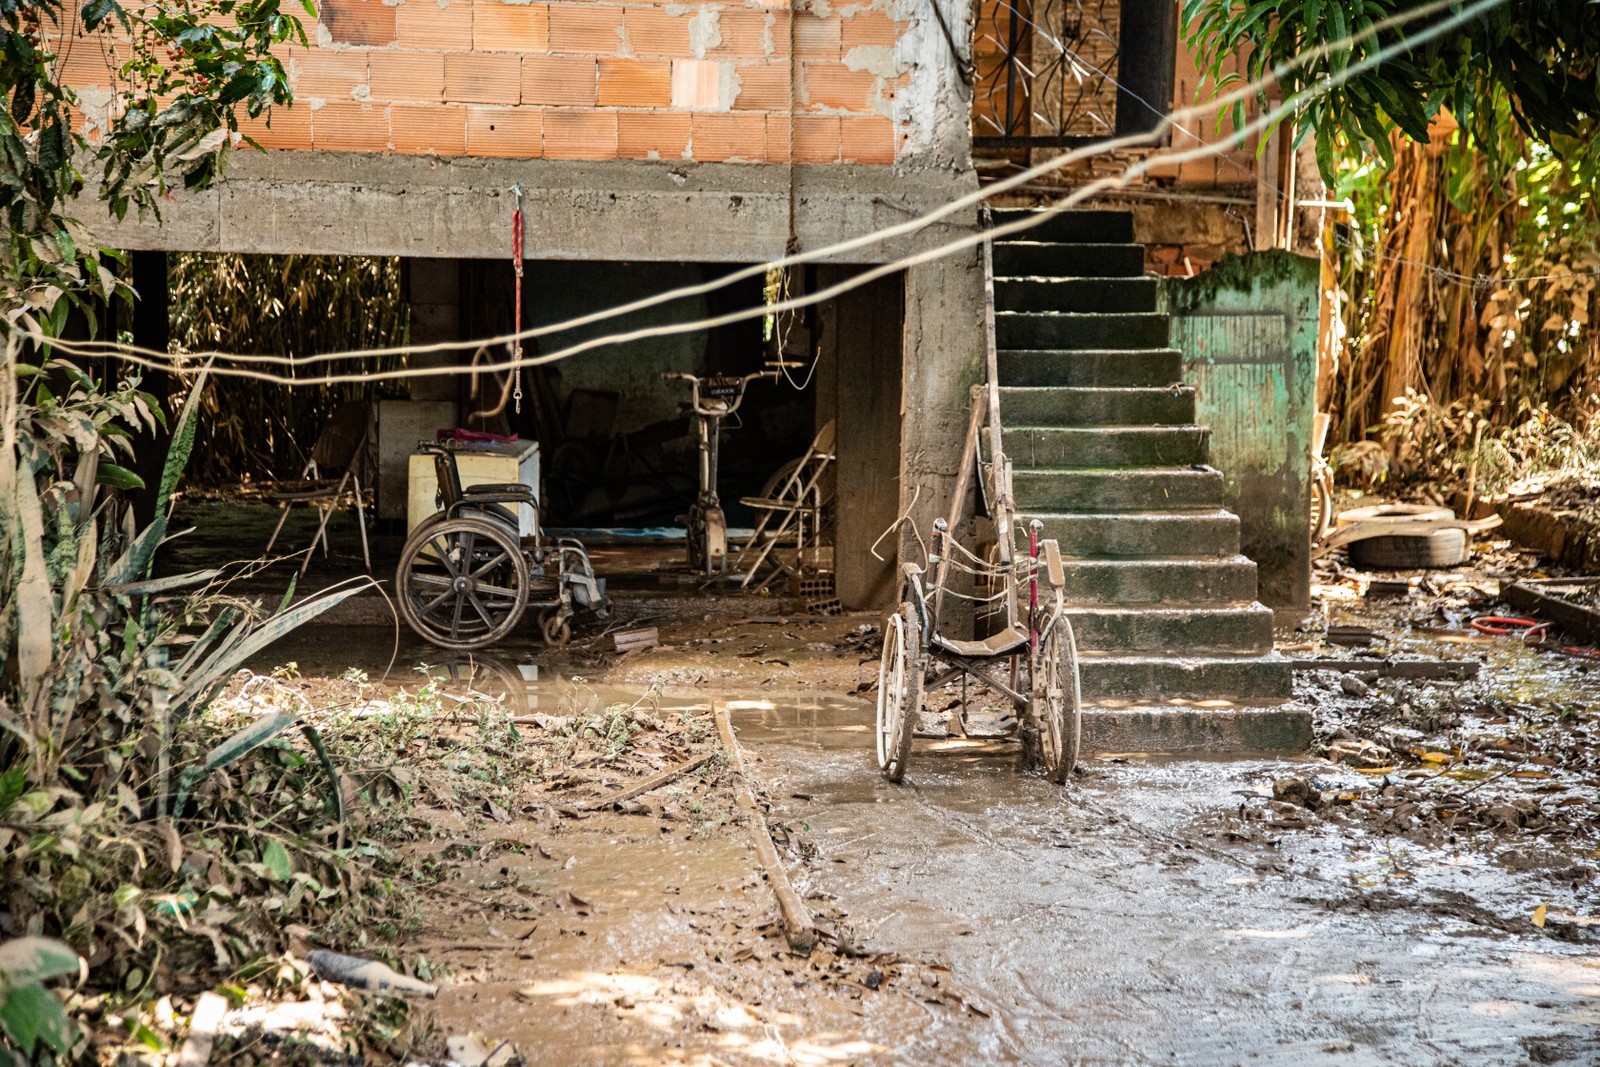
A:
{"x":1538,"y":915}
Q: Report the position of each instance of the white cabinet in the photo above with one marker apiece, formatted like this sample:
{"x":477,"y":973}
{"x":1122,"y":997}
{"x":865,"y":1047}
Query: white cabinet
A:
{"x":497,"y":463}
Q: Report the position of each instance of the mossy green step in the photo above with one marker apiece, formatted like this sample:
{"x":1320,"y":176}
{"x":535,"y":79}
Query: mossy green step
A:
{"x":1174,"y":631}
{"x":1105,"y":367}
{"x":1099,"y":295}
{"x":1102,"y":447}
{"x":1034,"y":259}
{"x":1070,"y":329}
{"x":1097,"y":406}
{"x":1117,"y":490}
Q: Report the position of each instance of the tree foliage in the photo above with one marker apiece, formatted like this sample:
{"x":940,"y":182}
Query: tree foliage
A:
{"x":1535,"y":60}
{"x":181,"y":72}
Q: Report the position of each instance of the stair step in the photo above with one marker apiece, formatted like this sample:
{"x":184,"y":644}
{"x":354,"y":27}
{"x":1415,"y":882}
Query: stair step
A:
{"x":1034,"y":259}
{"x":1103,"y":295}
{"x":1103,"y":447}
{"x":1142,"y":534}
{"x":1069,"y":330}
{"x":1096,"y":227}
{"x":1114,"y":490}
{"x":1168,"y":582}
{"x":1174,"y":631}
{"x":1235,"y":728}
{"x":1148,"y":679}
{"x":1112,"y":368}
{"x":1045,"y":406}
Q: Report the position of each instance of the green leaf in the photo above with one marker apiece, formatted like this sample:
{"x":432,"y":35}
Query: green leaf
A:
{"x":234,"y":748}
{"x":35,"y":959}
{"x":12,"y":785}
{"x":275,"y":858}
{"x":31,"y":1015}
{"x":118,"y":477}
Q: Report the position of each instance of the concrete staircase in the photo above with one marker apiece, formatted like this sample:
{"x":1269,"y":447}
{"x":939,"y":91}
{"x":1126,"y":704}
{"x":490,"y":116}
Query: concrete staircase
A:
{"x":1175,"y":652}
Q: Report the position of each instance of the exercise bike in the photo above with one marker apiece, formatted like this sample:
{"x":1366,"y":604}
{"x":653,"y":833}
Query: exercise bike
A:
{"x":711,"y":400}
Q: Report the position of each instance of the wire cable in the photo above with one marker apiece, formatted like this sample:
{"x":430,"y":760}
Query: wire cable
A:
{"x":150,"y":358}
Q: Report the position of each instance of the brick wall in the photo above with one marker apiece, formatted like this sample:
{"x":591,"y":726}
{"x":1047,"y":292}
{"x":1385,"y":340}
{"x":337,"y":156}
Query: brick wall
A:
{"x":582,"y":79}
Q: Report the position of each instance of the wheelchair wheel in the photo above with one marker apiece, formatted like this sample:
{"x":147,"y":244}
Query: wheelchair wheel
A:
{"x":462,"y":583}
{"x":1056,"y":701}
{"x":554,"y":627}
{"x":899,"y":691}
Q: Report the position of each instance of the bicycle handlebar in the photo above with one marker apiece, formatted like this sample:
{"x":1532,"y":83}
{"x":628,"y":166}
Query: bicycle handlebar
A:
{"x":721,"y":405}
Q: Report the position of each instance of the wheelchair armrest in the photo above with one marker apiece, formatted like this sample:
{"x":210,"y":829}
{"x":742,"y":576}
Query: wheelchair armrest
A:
{"x":503,"y":489}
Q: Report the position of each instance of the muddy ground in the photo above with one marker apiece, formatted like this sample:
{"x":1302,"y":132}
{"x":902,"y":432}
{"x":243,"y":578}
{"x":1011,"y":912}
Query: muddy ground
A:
{"x":1420,"y":889}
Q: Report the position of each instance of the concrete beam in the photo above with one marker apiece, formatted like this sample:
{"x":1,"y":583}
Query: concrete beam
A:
{"x":361,"y":204}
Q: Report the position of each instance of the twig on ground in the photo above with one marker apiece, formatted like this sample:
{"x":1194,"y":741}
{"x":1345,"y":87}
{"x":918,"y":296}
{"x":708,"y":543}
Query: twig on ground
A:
{"x":798,"y":926}
{"x":655,"y":781}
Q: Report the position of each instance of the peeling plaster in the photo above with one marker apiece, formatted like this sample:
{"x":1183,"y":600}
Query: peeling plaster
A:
{"x":878,"y":59}
{"x":705,"y":32}
{"x":933,"y":109}
{"x":324,"y":36}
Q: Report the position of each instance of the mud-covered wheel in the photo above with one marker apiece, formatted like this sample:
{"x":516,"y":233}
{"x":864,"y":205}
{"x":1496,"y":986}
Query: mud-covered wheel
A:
{"x":555,"y":629}
{"x":1321,"y":506}
{"x":462,"y":583}
{"x":1056,"y":700}
{"x":899,"y":691}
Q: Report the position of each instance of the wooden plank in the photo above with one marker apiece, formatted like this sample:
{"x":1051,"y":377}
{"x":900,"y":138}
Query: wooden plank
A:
{"x":1456,"y":670}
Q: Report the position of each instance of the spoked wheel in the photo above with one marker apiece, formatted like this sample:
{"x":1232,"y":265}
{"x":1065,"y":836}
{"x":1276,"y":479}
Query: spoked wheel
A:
{"x":899,"y":691}
{"x":1057,"y":705}
{"x":462,"y":583}
{"x":1321,"y":506}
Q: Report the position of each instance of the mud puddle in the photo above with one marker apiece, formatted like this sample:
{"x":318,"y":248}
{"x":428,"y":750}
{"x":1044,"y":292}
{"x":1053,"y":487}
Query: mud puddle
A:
{"x":1100,"y":925}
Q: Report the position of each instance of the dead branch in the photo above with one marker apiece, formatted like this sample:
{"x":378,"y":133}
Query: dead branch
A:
{"x":655,"y":781}
{"x":798,"y":926}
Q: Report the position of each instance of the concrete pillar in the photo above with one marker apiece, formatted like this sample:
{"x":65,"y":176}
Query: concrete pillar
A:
{"x":859,"y":386}
{"x":943,"y":349}
{"x":433,"y":289}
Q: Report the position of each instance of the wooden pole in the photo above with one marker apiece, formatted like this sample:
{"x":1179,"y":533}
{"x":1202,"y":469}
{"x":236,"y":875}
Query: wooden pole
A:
{"x":798,"y":926}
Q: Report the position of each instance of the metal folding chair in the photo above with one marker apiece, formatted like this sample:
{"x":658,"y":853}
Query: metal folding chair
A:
{"x":341,"y":447}
{"x":791,"y":512}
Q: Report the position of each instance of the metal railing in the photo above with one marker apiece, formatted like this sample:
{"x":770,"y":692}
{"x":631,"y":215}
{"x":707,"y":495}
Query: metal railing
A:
{"x":1044,"y":73}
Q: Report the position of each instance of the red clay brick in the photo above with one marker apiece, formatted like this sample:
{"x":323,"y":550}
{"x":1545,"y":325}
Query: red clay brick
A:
{"x":482,"y":79}
{"x":696,"y":84}
{"x":508,"y":132}
{"x":718,"y":138}
{"x":816,"y":138}
{"x":866,"y":139}
{"x":580,"y":134}
{"x":833,"y":85}
{"x":653,"y":32}
{"x":635,"y":82}
{"x":87,"y":64}
{"x":652,"y":135}
{"x":350,"y":128}
{"x":558,"y":80}
{"x":407,"y":75}
{"x":424,"y":24}
{"x":510,"y":27}
{"x":326,"y":74}
{"x":870,"y":28}
{"x":365,"y":22}
{"x":816,"y":37}
{"x":588,"y":29}
{"x":744,"y":34}
{"x":290,"y":127}
{"x":763,"y":87}
{"x":434,"y":128}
